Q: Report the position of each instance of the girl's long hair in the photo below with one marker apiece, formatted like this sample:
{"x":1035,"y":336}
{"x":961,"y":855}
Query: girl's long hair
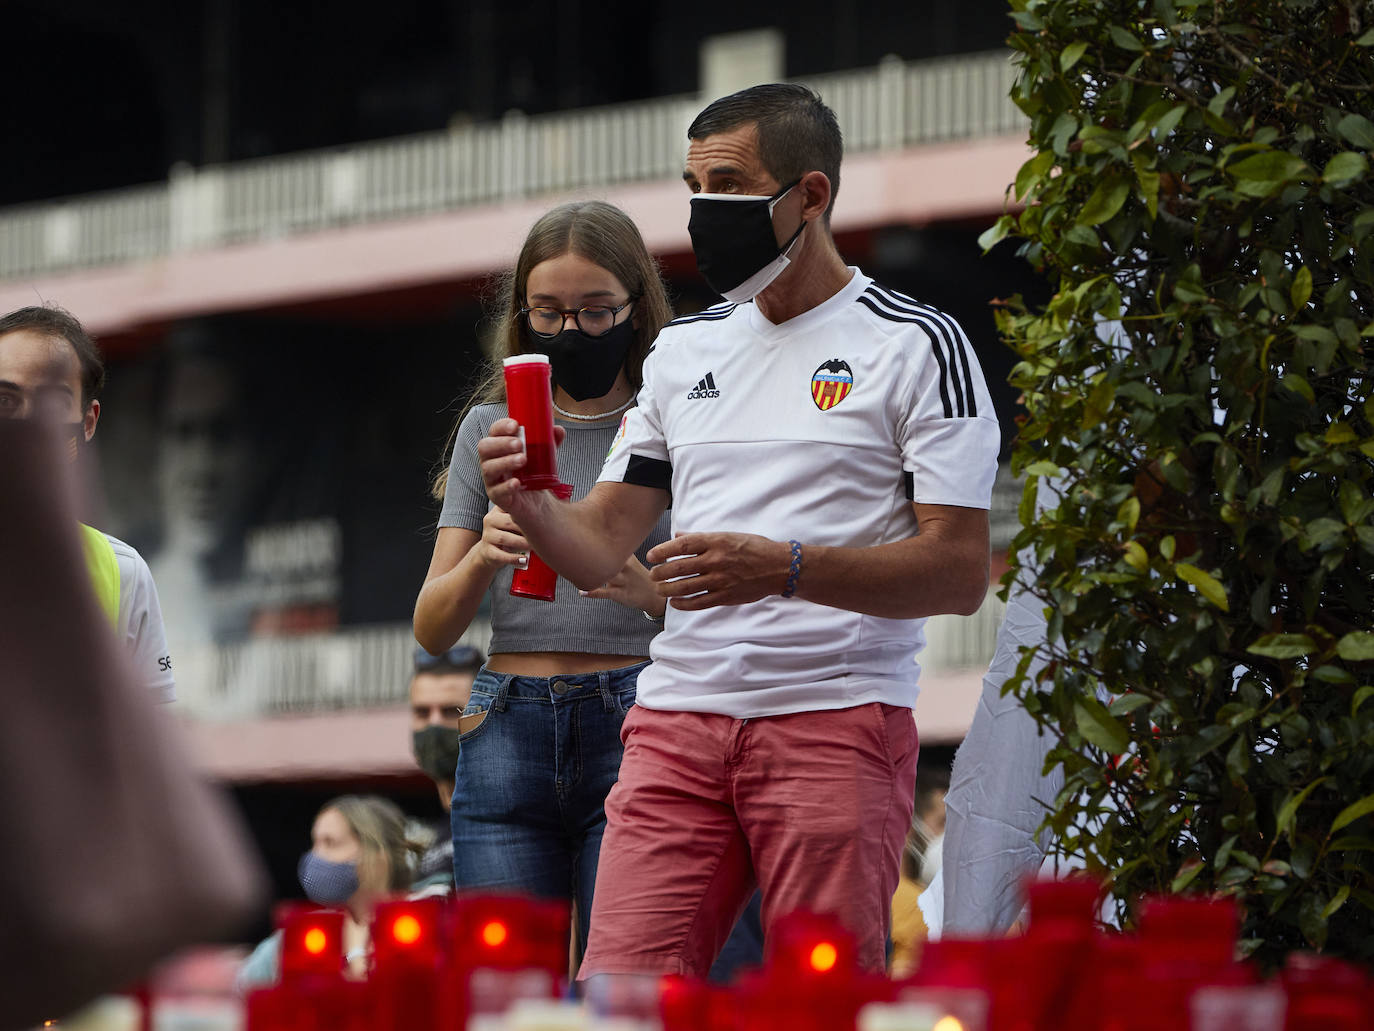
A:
{"x":605,"y":236}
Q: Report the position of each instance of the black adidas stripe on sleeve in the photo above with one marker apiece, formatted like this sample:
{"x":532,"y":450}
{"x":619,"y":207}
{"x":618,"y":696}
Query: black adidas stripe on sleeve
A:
{"x":712,"y":314}
{"x":954,"y":338}
{"x":935,"y":348}
{"x":947,"y":343}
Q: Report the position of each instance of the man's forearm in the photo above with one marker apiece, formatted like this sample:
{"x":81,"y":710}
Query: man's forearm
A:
{"x":907,"y":579}
{"x":942,"y":569}
{"x":588,"y":541}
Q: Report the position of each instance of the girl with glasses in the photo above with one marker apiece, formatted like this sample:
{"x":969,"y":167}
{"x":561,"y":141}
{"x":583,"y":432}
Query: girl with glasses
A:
{"x":540,"y":746}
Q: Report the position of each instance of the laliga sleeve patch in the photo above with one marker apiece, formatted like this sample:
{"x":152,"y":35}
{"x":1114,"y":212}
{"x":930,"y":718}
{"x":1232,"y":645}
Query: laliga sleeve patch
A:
{"x":619,"y":435}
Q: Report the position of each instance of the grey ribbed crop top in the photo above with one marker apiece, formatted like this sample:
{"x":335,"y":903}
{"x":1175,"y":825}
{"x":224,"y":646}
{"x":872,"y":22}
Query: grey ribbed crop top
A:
{"x":570,"y":623}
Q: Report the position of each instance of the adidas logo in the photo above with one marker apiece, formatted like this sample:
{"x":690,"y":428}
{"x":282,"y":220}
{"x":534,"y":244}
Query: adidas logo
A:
{"x":706,"y":388}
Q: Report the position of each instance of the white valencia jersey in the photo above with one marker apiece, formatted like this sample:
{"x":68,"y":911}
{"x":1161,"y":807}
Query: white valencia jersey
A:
{"x":823,"y":429}
{"x":140,"y":622}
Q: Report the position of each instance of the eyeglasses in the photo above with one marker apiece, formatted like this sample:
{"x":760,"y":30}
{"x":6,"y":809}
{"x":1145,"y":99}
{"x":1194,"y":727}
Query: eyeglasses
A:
{"x":594,"y":321}
{"x":461,"y":658}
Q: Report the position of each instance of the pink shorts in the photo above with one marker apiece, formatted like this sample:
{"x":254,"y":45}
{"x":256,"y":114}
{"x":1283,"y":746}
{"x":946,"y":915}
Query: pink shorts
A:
{"x":812,"y":807}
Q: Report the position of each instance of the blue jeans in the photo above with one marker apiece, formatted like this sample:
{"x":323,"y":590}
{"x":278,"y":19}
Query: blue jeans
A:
{"x":532,"y":780}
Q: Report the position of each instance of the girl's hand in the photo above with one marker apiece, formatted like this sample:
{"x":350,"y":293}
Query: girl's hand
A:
{"x":632,"y":588}
{"x":502,"y":543}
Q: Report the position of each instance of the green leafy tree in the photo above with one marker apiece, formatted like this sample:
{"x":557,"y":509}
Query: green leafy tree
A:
{"x":1198,"y":389}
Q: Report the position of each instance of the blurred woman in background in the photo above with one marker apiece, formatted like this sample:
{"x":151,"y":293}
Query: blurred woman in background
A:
{"x":359,"y":854}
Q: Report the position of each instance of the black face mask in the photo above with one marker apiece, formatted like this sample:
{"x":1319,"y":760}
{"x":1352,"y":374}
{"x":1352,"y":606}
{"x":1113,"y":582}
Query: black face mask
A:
{"x":732,"y":236}
{"x":436,"y":751}
{"x":585,"y":367}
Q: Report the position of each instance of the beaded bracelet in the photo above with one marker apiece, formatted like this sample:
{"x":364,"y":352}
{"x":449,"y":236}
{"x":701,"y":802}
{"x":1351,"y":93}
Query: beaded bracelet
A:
{"x":790,"y":587}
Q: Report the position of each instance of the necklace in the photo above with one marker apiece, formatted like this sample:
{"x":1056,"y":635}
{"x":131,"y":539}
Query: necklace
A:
{"x":599,"y":415}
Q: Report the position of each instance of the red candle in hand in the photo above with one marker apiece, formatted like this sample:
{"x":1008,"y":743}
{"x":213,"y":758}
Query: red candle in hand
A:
{"x":537,"y":580}
{"x":529,"y":400}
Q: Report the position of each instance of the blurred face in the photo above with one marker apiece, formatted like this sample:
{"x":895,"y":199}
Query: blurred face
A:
{"x":437,"y":699}
{"x":933,"y":814}
{"x":331,"y":838}
{"x":40,"y":378}
{"x":206,"y":458}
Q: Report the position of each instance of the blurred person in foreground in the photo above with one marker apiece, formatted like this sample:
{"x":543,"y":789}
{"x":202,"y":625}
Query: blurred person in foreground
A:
{"x":829,"y":449}
{"x":439,"y":690}
{"x":51,"y":370}
{"x":920,"y":863}
{"x":360,"y":853}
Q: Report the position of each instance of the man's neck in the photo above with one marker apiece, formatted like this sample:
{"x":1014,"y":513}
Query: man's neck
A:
{"x":817,"y":274}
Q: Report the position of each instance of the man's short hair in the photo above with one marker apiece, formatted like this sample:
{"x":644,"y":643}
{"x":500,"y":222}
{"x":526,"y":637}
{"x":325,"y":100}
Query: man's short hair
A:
{"x":461,"y":658}
{"x":798,"y":133}
{"x":51,"y":320}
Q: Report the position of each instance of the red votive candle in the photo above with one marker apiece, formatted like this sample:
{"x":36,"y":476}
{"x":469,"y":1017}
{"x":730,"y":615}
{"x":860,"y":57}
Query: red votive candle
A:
{"x":529,"y":401}
{"x":537,"y":580}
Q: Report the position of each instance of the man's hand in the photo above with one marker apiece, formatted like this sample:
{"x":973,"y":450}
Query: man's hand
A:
{"x":719,"y":569}
{"x":502,"y":454}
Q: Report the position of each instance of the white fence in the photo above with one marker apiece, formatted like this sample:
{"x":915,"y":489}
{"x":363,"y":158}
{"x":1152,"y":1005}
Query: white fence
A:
{"x":894,"y":105}
{"x":369,"y":666}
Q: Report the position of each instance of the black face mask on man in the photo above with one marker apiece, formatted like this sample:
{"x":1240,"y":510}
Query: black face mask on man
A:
{"x":732,"y":236}
{"x":585,"y":366}
{"x":436,"y":749}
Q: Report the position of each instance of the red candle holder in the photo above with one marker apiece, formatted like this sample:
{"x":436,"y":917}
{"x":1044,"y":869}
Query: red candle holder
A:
{"x":538,"y":580}
{"x":529,"y":401}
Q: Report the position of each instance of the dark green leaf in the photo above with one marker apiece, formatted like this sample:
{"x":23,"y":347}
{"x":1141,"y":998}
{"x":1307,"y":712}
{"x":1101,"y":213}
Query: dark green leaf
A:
{"x":1337,"y":901}
{"x":1069,"y":56}
{"x":1098,"y":726}
{"x":1283,"y":646}
{"x":994,"y":233}
{"x":1300,"y":386}
{"x":1269,"y":166}
{"x":1127,"y":704}
{"x":1358,"y":129}
{"x":1124,"y":39}
{"x":1353,"y":812}
{"x":1356,"y":647}
{"x":1032,"y":172}
{"x":1301,"y":289}
{"x":1104,"y":202}
{"x":1186,"y":875}
{"x":1289,"y":809}
{"x":1345,"y":167}
{"x":1207,"y":585}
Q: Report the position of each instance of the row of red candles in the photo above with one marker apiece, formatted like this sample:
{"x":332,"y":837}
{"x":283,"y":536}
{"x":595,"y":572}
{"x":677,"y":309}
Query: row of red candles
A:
{"x":437,"y":961}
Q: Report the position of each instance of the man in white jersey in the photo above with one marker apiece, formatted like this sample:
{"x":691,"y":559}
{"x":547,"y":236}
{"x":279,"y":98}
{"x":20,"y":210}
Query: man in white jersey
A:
{"x":51,"y":369}
{"x":829,"y":448}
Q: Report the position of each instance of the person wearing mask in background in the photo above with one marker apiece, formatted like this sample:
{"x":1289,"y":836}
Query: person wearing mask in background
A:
{"x":803,"y":430}
{"x":51,"y":369}
{"x":439,"y":690}
{"x":359,"y":855}
{"x":543,"y":748}
{"x":920,"y":863}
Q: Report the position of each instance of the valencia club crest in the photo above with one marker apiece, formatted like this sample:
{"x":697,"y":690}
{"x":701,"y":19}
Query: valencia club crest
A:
{"x":831,"y":383}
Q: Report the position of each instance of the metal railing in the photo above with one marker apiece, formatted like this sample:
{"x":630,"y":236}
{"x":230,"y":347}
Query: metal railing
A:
{"x":368,"y":666}
{"x":894,"y":105}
